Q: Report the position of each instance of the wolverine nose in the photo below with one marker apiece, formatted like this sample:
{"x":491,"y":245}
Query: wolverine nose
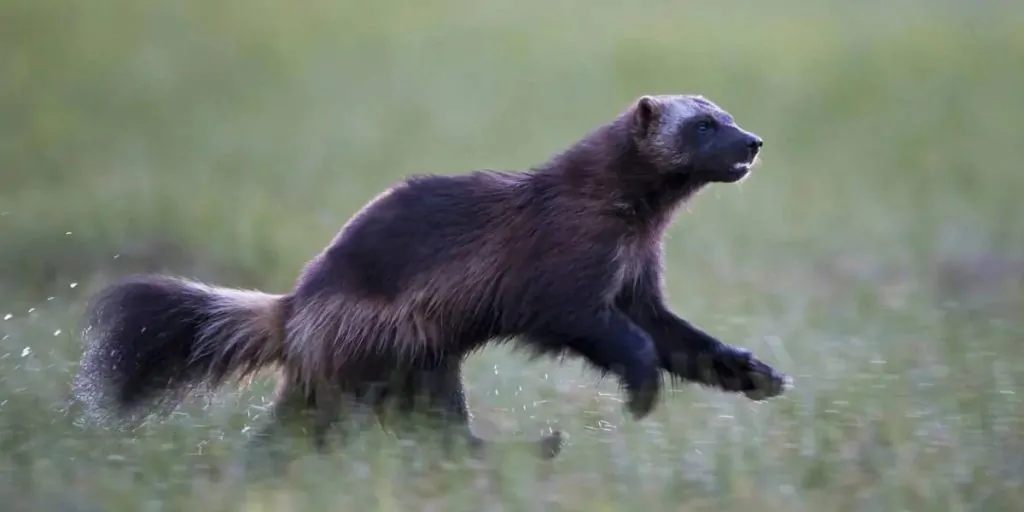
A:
{"x":754,"y":143}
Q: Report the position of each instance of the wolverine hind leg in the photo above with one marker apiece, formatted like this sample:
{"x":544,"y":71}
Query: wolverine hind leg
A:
{"x":439,"y":393}
{"x":296,"y":418}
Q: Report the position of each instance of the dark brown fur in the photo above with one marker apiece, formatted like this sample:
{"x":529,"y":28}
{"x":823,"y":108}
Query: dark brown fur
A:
{"x":563,"y":259}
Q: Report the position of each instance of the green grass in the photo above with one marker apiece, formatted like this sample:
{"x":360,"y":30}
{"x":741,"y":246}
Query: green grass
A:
{"x":875,"y":255}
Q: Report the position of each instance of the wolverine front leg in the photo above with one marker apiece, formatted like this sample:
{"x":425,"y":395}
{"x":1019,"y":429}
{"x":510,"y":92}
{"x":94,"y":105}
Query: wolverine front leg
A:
{"x":609,"y":340}
{"x":692,"y":354}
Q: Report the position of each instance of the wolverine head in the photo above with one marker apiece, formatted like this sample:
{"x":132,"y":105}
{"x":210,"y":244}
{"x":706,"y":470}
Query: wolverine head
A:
{"x":690,"y":134}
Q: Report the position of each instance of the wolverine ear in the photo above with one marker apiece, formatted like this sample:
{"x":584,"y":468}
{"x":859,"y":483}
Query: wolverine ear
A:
{"x":648,"y":108}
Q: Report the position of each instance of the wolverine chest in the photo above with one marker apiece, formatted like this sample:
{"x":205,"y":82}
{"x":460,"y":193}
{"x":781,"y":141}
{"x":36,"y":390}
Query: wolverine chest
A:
{"x":631,"y":261}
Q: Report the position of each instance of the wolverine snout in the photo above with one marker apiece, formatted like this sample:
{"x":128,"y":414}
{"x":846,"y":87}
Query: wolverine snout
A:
{"x":753,"y":144}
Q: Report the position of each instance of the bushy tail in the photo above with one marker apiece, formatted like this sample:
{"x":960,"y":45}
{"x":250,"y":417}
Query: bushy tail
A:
{"x":151,"y":339}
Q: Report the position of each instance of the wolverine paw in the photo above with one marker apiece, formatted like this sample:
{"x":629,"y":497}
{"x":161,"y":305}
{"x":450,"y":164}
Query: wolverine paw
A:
{"x":736,"y":369}
{"x":550,"y":445}
{"x":767,"y":383}
{"x":642,"y":398}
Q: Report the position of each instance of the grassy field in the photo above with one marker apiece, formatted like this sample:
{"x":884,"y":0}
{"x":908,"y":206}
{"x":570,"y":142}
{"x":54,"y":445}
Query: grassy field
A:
{"x":875,"y":255}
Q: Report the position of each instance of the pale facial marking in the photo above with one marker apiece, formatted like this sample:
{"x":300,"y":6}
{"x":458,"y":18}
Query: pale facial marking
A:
{"x":675,"y":111}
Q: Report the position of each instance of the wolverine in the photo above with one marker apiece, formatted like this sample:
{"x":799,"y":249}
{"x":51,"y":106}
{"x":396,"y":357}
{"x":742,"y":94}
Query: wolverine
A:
{"x":564,"y":258}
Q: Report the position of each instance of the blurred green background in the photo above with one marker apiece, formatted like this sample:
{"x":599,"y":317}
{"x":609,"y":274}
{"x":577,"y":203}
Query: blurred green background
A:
{"x":875,"y":255}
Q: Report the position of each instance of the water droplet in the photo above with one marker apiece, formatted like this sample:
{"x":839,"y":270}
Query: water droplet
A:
{"x":49,"y":298}
{"x":30,"y":310}
{"x":56,"y":333}
{"x":8,"y":316}
{"x":26,"y":351}
{"x":116,"y":256}
{"x":68,"y":233}
{"x":73,"y":285}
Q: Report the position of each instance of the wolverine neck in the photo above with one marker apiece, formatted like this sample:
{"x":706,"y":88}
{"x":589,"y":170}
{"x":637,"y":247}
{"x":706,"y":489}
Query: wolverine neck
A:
{"x":605,"y":170}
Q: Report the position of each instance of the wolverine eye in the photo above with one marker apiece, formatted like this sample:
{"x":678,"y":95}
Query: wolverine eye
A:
{"x":704,"y":126}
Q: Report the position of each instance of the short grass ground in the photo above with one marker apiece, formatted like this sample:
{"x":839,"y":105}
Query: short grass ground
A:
{"x":876,"y":254}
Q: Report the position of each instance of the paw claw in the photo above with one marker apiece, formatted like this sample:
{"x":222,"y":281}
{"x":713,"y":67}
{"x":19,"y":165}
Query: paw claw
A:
{"x":767,"y":384}
{"x":741,"y":372}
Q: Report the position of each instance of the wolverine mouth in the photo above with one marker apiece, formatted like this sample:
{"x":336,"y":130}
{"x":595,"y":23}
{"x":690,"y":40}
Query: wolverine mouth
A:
{"x":747,"y":165}
{"x":735,"y":172}
{"x":742,"y":168}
